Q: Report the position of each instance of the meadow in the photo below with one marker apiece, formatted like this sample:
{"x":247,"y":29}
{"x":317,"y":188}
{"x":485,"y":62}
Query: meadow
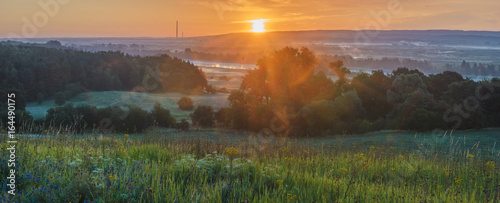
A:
{"x":196,"y":166}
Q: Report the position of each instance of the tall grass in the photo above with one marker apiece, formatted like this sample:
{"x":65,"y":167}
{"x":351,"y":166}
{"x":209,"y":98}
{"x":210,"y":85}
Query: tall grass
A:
{"x":57,"y":166}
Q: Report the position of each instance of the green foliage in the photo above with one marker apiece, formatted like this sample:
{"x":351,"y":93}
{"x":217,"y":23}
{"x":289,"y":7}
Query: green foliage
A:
{"x":407,"y":99}
{"x":60,"y":98}
{"x":39,"y":98}
{"x":183,"y":125}
{"x":185,"y":104}
{"x":203,"y":116}
{"x":372,"y":90}
{"x":118,"y":169}
{"x":162,"y":116}
{"x":128,"y":119}
{"x":52,"y":68}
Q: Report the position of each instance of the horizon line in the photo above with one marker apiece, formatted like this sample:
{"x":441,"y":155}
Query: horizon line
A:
{"x":248,"y":32}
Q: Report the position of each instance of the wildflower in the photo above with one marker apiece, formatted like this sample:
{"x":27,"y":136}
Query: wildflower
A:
{"x":293,"y":197}
{"x":113,"y":177}
{"x":372,"y":148}
{"x":471,"y":155}
{"x":440,"y":186}
{"x":344,"y":170}
{"x":490,"y":165}
{"x":447,"y":174}
{"x":393,"y":148}
{"x":458,"y":181}
{"x":288,"y":159}
{"x":45,"y":131}
{"x":392,"y":169}
{"x":401,"y":156}
{"x":232,"y":152}
{"x":277,"y":182}
{"x":126,"y":135}
{"x":150,"y":190}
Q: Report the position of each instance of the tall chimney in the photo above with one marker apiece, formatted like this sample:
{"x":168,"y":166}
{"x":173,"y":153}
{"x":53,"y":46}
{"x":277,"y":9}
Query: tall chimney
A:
{"x":176,"y":29}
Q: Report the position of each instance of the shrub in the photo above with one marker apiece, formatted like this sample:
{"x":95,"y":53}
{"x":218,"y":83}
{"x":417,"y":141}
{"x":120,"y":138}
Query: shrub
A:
{"x":185,"y":104}
{"x":211,"y":89}
{"x":183,"y":125}
{"x":162,"y":116}
{"x":59,"y":98}
{"x":203,"y":116}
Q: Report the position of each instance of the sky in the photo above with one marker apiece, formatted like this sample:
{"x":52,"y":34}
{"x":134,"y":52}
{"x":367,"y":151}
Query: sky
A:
{"x":157,"y":18}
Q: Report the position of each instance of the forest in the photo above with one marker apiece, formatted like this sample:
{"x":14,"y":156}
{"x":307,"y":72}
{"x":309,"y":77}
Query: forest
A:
{"x":285,"y":93}
{"x":39,"y":71}
{"x":286,"y":88}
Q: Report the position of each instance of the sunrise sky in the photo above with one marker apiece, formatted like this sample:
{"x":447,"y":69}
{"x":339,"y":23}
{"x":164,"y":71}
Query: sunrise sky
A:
{"x":156,"y":18}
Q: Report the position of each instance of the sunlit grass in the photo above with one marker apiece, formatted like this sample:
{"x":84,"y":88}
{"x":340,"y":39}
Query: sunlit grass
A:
{"x":157,"y":168}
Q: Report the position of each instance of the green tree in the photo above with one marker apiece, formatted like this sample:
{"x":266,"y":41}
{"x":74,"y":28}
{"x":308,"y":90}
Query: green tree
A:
{"x":162,"y":116}
{"x":39,"y":97}
{"x":60,"y":98}
{"x":203,"y":116}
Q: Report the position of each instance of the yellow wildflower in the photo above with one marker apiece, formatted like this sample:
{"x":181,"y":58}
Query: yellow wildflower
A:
{"x":471,"y":155}
{"x":392,"y":169}
{"x":277,"y":182}
{"x":288,"y":159}
{"x":490,"y":165}
{"x":126,"y":135}
{"x":344,"y":170}
{"x":232,"y":152}
{"x":113,"y":177}
{"x":458,"y":181}
{"x":293,"y":197}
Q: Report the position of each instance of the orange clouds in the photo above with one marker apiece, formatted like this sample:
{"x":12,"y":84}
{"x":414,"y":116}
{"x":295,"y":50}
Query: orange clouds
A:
{"x":152,"y":18}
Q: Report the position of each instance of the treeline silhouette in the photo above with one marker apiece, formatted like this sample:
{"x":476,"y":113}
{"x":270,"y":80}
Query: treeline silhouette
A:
{"x":474,"y":69}
{"x":387,"y":63}
{"x":39,"y":71}
{"x":127,"y":119}
{"x":284,"y":92}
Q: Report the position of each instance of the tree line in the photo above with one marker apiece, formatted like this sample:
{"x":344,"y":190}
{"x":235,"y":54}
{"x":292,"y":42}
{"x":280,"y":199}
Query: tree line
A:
{"x":40,"y":71}
{"x":467,"y":68}
{"x":285,"y":92}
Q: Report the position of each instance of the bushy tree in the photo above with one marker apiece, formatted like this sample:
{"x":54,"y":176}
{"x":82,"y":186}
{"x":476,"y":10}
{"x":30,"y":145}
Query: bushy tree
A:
{"x":185,"y":104}
{"x":183,"y":125}
{"x":59,"y":98}
{"x":372,"y":90}
{"x":162,"y":116}
{"x":203,"y":116}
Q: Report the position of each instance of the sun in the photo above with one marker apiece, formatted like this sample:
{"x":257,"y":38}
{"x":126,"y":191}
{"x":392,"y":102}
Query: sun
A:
{"x":258,"y":25}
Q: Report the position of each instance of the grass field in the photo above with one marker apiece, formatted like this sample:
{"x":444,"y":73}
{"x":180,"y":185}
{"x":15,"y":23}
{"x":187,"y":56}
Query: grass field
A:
{"x":144,"y":100}
{"x":166,"y":166}
{"x":219,"y":77}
